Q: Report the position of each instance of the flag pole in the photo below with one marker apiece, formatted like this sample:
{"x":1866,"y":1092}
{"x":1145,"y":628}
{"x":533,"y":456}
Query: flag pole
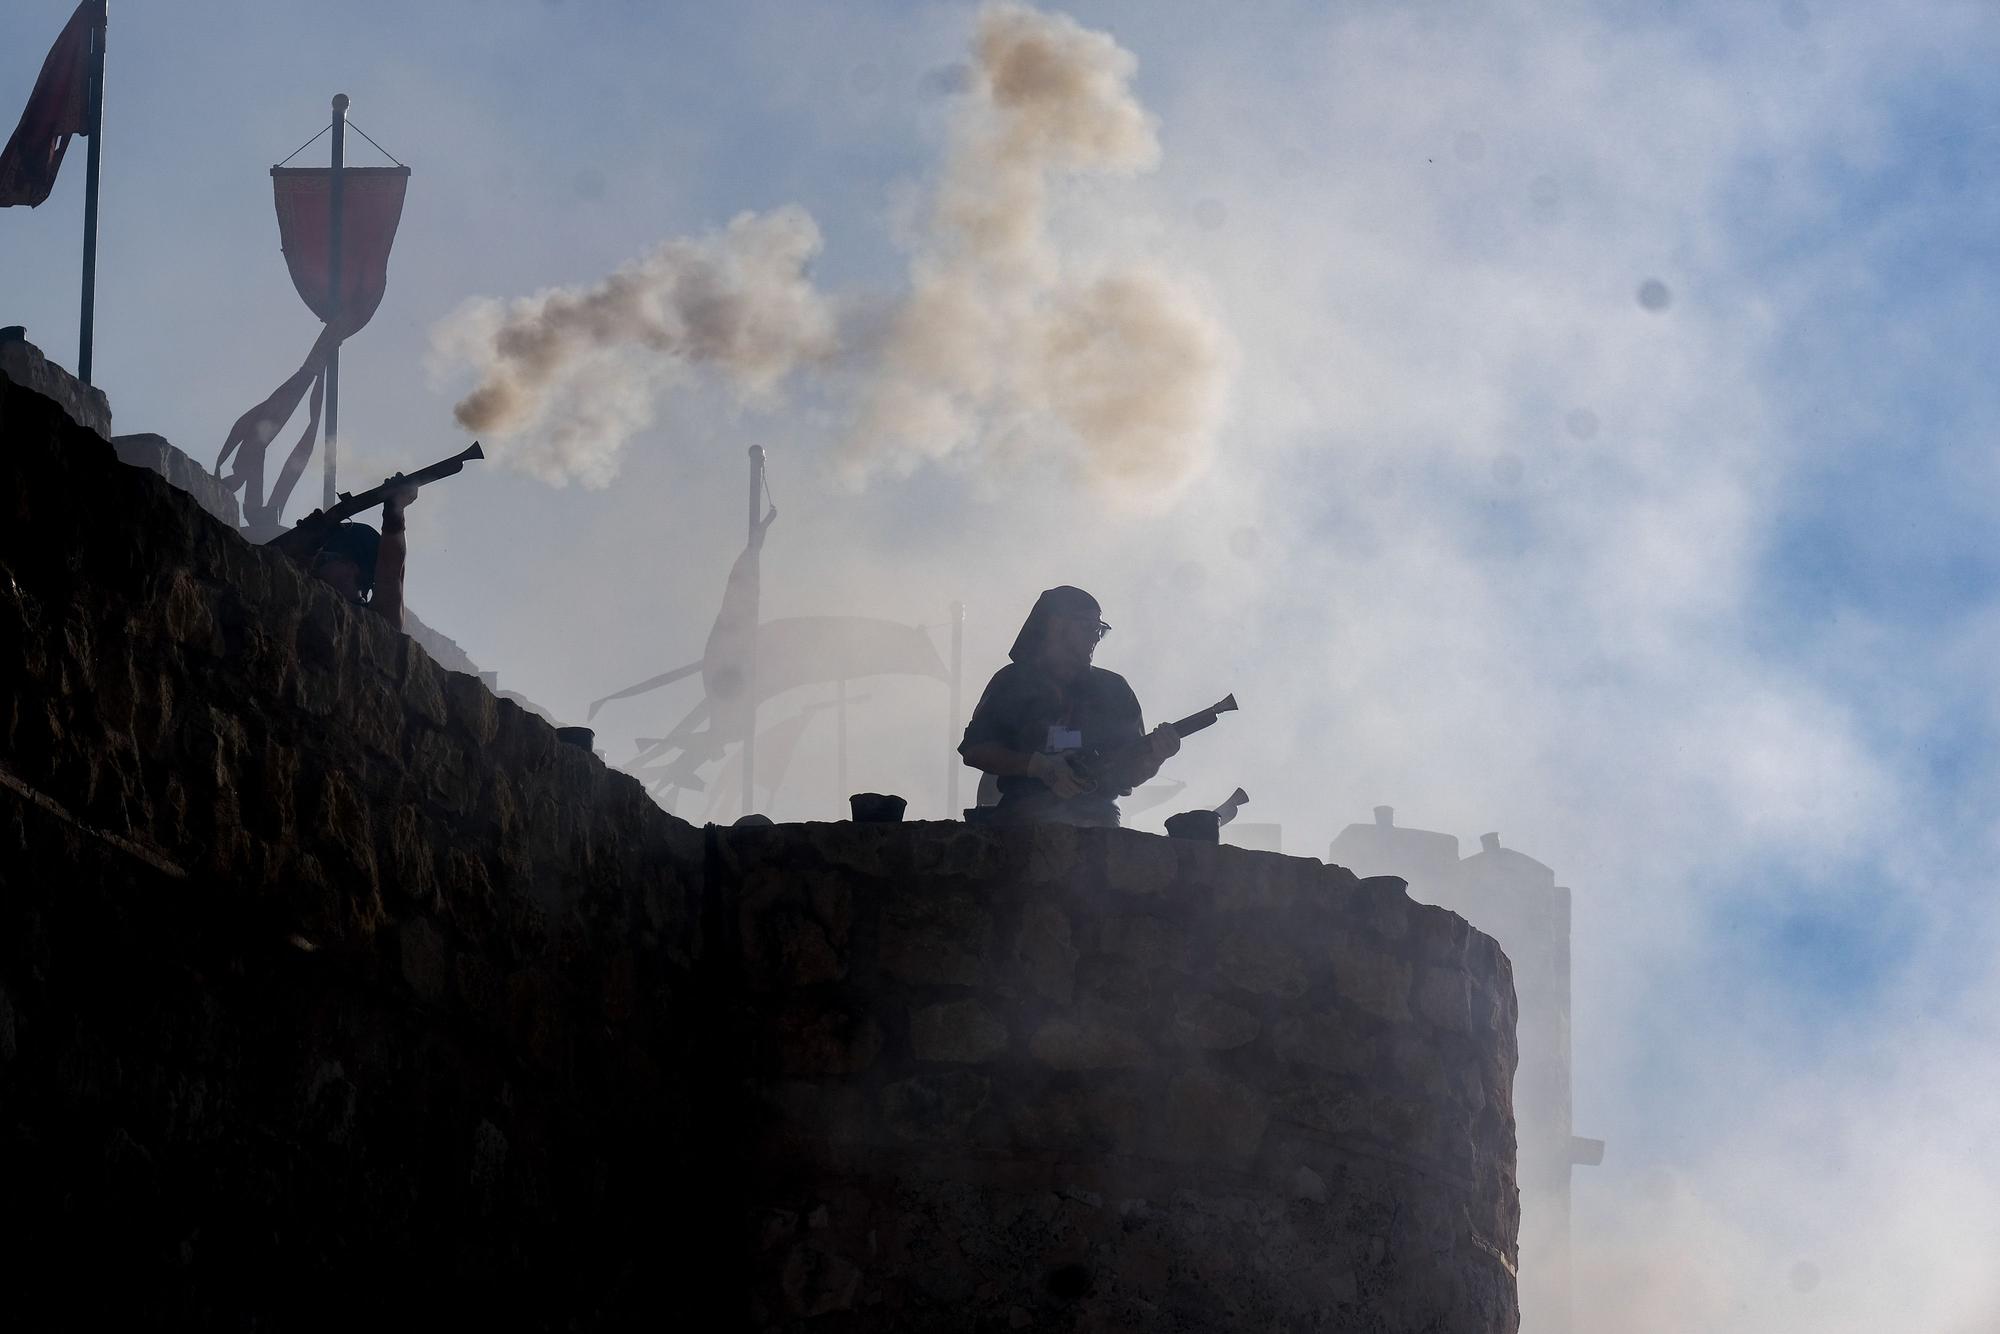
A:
{"x":94,"y":127}
{"x":335,"y":216}
{"x":756,"y":619}
{"x":952,"y":761}
{"x":840,"y":741}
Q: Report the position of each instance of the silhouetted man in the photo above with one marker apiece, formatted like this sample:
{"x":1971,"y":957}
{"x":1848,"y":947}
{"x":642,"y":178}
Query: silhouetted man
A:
{"x":1048,"y":704}
{"x":366,"y":567}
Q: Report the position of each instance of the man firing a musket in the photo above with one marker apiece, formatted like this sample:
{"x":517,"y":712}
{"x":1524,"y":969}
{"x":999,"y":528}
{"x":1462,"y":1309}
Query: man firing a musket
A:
{"x":1064,"y":738}
{"x":366,"y":567}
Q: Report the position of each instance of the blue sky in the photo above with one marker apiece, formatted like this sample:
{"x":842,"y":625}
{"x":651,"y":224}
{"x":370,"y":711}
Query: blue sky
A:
{"x":1695,"y":604}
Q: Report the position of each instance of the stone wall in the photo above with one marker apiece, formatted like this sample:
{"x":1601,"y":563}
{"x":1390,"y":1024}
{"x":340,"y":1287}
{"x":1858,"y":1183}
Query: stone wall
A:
{"x":24,"y":364}
{"x":1097,"y":1079}
{"x":333,"y":988}
{"x":156,"y":453}
{"x":329,"y":984}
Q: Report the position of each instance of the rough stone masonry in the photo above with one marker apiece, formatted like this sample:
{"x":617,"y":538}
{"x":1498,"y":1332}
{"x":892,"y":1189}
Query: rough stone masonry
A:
{"x":332,"y":988}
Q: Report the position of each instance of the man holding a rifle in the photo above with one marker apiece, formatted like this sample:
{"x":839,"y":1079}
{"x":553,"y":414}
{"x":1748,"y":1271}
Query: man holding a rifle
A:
{"x":366,"y":567}
{"x":362,"y":565}
{"x":1049,"y":708}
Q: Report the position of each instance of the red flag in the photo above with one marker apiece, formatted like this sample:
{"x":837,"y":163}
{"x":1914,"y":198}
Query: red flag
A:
{"x":58,"y":108}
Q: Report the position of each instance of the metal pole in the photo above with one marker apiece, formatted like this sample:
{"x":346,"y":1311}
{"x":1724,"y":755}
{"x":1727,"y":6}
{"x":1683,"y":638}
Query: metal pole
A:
{"x":336,"y":215}
{"x":756,"y":619}
{"x":953,"y":764}
{"x":94,"y":122}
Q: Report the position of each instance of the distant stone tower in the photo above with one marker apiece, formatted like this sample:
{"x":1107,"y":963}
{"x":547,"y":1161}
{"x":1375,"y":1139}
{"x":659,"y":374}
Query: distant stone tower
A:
{"x":1515,"y":899}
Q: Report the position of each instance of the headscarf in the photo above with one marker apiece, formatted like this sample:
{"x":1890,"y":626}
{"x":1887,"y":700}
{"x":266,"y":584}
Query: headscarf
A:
{"x":359,"y":543}
{"x":1060,"y":601}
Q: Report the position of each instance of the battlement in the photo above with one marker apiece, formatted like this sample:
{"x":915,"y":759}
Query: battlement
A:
{"x":330,"y":983}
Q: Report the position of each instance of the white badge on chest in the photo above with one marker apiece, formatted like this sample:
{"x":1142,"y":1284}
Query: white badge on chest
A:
{"x":1064,"y":738}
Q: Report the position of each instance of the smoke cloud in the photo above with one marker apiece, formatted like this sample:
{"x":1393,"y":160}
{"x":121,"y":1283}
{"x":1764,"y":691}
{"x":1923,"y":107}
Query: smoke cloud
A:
{"x":568,"y":375}
{"x":1005,"y":345}
{"x":1004,"y":341}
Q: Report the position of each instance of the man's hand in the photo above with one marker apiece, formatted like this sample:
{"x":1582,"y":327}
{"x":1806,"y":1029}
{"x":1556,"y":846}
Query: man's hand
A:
{"x":1162,"y":744}
{"x":393,"y":507}
{"x":1055,"y":774}
{"x":400,"y":498}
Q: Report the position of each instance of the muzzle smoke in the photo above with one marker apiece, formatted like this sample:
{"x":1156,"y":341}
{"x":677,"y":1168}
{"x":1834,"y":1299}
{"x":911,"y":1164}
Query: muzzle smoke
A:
{"x":568,"y":375}
{"x":1005,"y":344}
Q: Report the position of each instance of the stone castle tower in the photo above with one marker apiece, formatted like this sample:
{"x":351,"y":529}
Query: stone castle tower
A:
{"x":334,"y":989}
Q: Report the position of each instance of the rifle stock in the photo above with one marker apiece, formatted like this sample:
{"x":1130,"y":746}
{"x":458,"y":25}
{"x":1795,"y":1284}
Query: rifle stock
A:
{"x":304,"y":537}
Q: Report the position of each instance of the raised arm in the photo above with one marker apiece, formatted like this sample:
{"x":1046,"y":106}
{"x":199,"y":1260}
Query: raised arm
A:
{"x":391,"y":558}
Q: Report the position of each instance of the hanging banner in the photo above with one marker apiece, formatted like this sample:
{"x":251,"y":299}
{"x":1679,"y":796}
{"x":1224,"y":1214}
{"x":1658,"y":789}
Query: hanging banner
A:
{"x":371,"y":206}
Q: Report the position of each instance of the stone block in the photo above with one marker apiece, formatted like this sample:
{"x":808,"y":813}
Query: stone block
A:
{"x":1053,"y":853}
{"x":1103,"y":1114}
{"x":409,"y":866}
{"x":965,"y":1031}
{"x":816,"y":1282}
{"x":806,"y":1111}
{"x":829,"y":1039}
{"x":1444,"y":997}
{"x":945,"y":848}
{"x":1088,"y":1043}
{"x":1141,"y":863}
{"x":472,"y":708}
{"x":793,"y":939}
{"x":873,"y":850}
{"x":1256,"y":960}
{"x":23,"y":363}
{"x":1206,"y":1023}
{"x":1441,"y":936}
{"x":1331,"y":1106}
{"x":944,"y":937}
{"x":156,"y":454}
{"x":1265,"y":884}
{"x":1043,"y":954}
{"x":1211,"y":1118}
{"x":1423,"y":1064}
{"x":1115,"y":985}
{"x":426,"y":960}
{"x":190,"y":610}
{"x":1146,"y":940}
{"x":1326,"y":1041}
{"x":1374,"y":982}
{"x":936,"y":1106}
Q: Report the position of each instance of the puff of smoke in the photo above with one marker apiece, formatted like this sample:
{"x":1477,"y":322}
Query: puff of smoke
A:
{"x":579,"y":367}
{"x":1000,"y":348}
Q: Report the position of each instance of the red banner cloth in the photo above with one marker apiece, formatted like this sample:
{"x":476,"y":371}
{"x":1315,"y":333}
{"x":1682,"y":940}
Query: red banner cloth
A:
{"x":371,"y":205}
{"x":58,"y":108}
{"x":254,"y":430}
